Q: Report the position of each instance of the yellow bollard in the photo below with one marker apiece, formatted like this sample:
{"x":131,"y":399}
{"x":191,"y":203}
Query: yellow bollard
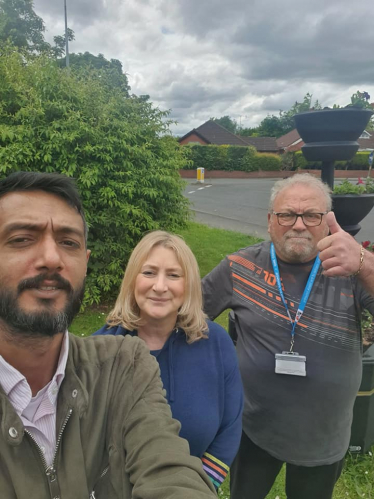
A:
{"x":200,"y":175}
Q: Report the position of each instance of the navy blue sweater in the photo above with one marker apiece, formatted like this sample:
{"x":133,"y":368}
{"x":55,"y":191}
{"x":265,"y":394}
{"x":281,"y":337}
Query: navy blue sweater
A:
{"x":204,"y":390}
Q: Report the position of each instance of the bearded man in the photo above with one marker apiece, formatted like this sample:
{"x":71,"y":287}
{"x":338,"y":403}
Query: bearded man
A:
{"x":297,"y":302}
{"x":80,"y":417}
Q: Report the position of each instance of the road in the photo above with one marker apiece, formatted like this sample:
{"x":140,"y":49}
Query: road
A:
{"x":242,"y":205}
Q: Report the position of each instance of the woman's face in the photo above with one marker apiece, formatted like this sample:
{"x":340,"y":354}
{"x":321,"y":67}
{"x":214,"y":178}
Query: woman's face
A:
{"x":160,"y":286}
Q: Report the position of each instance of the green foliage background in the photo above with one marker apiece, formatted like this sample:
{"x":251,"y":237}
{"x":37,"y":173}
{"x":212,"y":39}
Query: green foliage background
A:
{"x":118,"y":149}
{"x":21,"y":25}
{"x":230,"y":158}
{"x":360,"y":161}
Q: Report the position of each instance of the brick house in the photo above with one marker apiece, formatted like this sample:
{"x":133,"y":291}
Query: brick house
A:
{"x":211,"y":132}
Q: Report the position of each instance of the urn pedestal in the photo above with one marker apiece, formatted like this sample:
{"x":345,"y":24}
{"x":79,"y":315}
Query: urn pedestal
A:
{"x":331,"y":135}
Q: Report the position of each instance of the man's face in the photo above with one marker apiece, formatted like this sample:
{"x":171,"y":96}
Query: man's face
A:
{"x":43,"y":261}
{"x":297,"y":243}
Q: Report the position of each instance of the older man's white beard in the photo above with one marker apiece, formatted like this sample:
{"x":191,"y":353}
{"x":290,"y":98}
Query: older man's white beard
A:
{"x":297,"y":250}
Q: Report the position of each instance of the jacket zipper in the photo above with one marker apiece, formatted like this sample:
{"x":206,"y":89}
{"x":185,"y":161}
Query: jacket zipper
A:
{"x":50,"y":471}
{"x":102,"y":474}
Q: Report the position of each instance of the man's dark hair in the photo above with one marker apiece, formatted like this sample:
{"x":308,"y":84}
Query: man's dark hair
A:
{"x":53,"y":183}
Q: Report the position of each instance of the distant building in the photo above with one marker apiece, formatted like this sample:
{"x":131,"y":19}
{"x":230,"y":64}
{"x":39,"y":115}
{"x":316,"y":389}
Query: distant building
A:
{"x":290,"y":142}
{"x":211,"y":132}
{"x":366,"y":141}
{"x":262,"y":144}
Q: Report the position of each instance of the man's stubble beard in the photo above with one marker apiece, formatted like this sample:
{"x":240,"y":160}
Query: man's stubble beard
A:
{"x":19,"y":324}
{"x":296,"y":252}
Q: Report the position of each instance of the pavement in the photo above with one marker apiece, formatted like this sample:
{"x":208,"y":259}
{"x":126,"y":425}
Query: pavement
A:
{"x":242,"y":205}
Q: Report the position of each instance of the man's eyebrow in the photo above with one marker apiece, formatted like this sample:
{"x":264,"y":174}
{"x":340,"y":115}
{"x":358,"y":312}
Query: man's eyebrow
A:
{"x":21,"y":226}
{"x":35,"y":227}
{"x":69,"y":230}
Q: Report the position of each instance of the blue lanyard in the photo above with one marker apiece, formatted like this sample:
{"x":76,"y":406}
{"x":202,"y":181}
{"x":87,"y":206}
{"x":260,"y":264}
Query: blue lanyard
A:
{"x":306,"y":293}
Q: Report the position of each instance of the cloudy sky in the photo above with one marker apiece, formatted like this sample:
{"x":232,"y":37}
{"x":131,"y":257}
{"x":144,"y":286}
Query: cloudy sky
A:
{"x":242,"y":58}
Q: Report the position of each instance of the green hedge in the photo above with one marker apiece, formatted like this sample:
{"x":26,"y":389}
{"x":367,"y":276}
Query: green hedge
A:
{"x":266,"y":162}
{"x":358,"y":162}
{"x":230,"y":158}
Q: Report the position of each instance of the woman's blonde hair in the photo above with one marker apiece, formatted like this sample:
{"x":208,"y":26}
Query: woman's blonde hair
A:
{"x":191,"y":317}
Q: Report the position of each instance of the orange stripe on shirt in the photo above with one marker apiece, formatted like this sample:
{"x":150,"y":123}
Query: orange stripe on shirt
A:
{"x":249,"y":283}
{"x":328,"y":324}
{"x":269,"y":309}
{"x":243,"y":261}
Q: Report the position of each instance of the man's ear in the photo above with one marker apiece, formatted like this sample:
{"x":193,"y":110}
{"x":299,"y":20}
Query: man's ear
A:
{"x":88,"y":253}
{"x":269,"y":221}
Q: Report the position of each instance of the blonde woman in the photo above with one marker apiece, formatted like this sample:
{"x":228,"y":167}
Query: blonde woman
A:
{"x":160,"y":301}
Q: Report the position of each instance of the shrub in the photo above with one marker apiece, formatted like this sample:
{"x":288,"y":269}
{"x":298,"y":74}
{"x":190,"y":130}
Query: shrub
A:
{"x":239,"y":158}
{"x":360,"y":161}
{"x":347,"y":188}
{"x":266,"y":162}
{"x":230,"y":158}
{"x":118,"y":149}
{"x":300,"y":161}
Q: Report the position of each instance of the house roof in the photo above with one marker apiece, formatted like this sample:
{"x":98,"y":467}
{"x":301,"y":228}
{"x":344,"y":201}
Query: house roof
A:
{"x":262,"y":144}
{"x":288,"y":139}
{"x":367,"y":143}
{"x":296,"y":147}
{"x":213,"y":133}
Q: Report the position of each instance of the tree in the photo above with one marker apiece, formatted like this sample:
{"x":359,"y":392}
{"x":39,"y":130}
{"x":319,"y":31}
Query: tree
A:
{"x":119,"y":150}
{"x":110,"y":72}
{"x":228,"y":123}
{"x":248,"y":132}
{"x":361,"y":100}
{"x":272,"y":126}
{"x":276,"y":126}
{"x":60,"y":43}
{"x":20,"y":24}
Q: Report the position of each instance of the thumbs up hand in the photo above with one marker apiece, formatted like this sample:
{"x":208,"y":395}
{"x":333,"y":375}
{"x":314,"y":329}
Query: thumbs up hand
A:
{"x":332,"y":224}
{"x":339,"y":252}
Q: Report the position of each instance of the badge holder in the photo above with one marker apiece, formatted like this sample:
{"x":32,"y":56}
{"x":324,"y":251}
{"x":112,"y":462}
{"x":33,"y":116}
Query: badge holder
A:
{"x":290,"y":363}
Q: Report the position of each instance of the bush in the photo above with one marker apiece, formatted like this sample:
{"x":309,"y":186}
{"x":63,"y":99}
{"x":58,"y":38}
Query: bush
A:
{"x":300,"y":161}
{"x":266,"y":162}
{"x":118,"y":149}
{"x":347,"y":188}
{"x":360,"y":161}
{"x":239,"y":158}
{"x":230,"y":158}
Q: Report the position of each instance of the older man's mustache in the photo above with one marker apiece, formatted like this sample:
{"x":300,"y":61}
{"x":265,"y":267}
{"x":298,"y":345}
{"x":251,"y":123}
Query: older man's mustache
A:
{"x":300,"y":235}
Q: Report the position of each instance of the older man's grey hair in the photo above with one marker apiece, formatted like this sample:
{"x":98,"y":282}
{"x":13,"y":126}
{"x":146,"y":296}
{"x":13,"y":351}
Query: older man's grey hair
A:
{"x":301,"y":179}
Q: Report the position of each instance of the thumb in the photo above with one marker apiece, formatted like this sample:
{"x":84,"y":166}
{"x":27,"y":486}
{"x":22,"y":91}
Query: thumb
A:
{"x":332,"y":224}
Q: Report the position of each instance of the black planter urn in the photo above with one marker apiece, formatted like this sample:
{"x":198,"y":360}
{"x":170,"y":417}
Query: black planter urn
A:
{"x":331,"y":135}
{"x":350,"y":209}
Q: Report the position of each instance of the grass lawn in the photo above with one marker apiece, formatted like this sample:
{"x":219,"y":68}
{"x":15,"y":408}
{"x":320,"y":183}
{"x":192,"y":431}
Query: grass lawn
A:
{"x":210,"y":246}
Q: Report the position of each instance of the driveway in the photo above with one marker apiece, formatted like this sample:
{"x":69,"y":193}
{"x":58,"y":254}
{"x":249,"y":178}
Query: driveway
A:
{"x":242,"y":205}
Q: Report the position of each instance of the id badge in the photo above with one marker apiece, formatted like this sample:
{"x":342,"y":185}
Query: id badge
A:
{"x":290,"y":363}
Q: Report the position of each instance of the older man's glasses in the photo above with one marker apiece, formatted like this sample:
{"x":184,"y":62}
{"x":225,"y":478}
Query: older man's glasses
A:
{"x":309,"y":219}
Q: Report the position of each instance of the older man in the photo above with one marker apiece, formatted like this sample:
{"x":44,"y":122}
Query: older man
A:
{"x":297,"y":303}
{"x":80,"y":418}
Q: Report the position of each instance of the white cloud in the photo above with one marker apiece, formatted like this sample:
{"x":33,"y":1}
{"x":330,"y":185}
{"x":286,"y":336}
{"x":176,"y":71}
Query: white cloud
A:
{"x":244,"y":58}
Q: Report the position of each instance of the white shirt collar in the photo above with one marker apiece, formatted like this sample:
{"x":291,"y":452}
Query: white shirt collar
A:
{"x":17,"y":388}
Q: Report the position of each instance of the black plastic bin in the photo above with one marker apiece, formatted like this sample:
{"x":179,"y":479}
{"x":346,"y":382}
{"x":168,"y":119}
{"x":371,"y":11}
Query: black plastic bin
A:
{"x":362,"y":436}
